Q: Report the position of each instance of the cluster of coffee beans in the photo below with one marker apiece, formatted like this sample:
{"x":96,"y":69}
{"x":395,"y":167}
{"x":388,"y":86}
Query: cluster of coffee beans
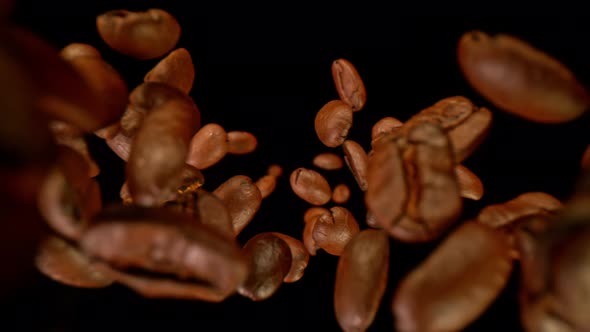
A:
{"x":169,"y":237}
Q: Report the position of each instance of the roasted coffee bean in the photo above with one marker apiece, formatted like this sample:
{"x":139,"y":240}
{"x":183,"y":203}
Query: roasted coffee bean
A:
{"x":469,"y":183}
{"x":159,"y":253}
{"x":64,"y":263}
{"x":349,"y":85}
{"x":208,"y":146}
{"x":341,"y":194}
{"x":313,"y":212}
{"x":74,"y":50}
{"x":299,"y":257}
{"x":361,"y":278}
{"x":310,"y":218}
{"x":466,"y":272}
{"x":241,"y":142}
{"x":72,"y":137}
{"x":176,"y":69}
{"x":310,"y":186}
{"x":242,"y":199}
{"x":332,"y":123}
{"x":387,"y":124}
{"x":275,"y":170}
{"x":412,"y":187}
{"x":333,"y":231}
{"x":142,"y":35}
{"x":266,"y":185}
{"x":356,"y":159}
{"x":524,"y":205}
{"x":328,"y":161}
{"x":270,"y":261}
{"x":521,"y":79}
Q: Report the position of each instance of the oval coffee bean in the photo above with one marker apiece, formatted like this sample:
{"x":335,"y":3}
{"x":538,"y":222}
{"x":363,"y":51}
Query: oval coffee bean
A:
{"x":387,"y":124}
{"x":524,"y":205}
{"x":275,"y":170}
{"x":328,"y":161}
{"x":270,"y":261}
{"x":361,"y":279}
{"x":310,"y":186}
{"x":521,"y":79}
{"x":266,"y":185}
{"x":467,"y":271}
{"x":332,"y":123}
{"x":64,"y":263}
{"x":313,"y":212}
{"x":242,"y":199}
{"x":299,"y":255}
{"x":341,"y":194}
{"x":208,"y":146}
{"x":469,"y":183}
{"x":142,"y":35}
{"x":333,"y":231}
{"x":241,"y":142}
{"x":176,"y":69}
{"x":356,"y":159}
{"x":349,"y":85}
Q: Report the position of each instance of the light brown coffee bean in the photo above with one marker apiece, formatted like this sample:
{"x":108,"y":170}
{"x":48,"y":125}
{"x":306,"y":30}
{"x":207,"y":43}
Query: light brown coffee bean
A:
{"x":469,"y":183}
{"x":142,"y":35}
{"x":310,"y":186}
{"x":332,"y":123}
{"x":208,"y":146}
{"x":64,"y":263}
{"x":72,"y":137}
{"x":387,"y":124}
{"x":74,"y":50}
{"x":521,"y":79}
{"x":467,"y":271}
{"x":242,"y":199}
{"x":176,"y":69}
{"x":173,"y":249}
{"x":310,"y":218}
{"x":333,"y":231}
{"x":361,"y":278}
{"x":241,"y":142}
{"x":313,"y":212}
{"x":585,"y":161}
{"x":356,"y":159}
{"x":349,"y":85}
{"x":299,"y":257}
{"x":524,"y":205}
{"x":270,"y":261}
{"x":275,"y":170}
{"x":159,"y":151}
{"x":341,"y":194}
{"x":266,"y":185}
{"x":328,"y":161}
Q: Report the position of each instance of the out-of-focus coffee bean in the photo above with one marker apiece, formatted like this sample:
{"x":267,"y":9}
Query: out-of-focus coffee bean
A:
{"x":208,"y":146}
{"x":341,"y":194}
{"x":527,"y":204}
{"x":470,"y":185}
{"x":333,"y":231}
{"x":141,"y":35}
{"x":349,"y":85}
{"x":275,"y":170}
{"x":266,"y":185}
{"x":159,"y":151}
{"x":270,"y":261}
{"x":74,"y":50}
{"x":310,"y":186}
{"x":585,"y":161}
{"x":387,"y":124}
{"x":125,"y":195}
{"x":371,"y":220}
{"x":328,"y":161}
{"x":187,"y":255}
{"x":242,"y":199}
{"x":176,"y":69}
{"x":241,"y":142}
{"x":467,"y":271}
{"x":356,"y":160}
{"x":72,"y":137}
{"x":332,"y":123}
{"x":64,"y":263}
{"x":121,"y":145}
{"x":361,"y":278}
{"x":521,"y":79}
{"x":299,"y":257}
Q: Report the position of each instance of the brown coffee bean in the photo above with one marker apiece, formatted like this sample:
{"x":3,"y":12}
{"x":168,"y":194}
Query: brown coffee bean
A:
{"x":270,"y":261}
{"x":310,"y":186}
{"x":175,"y":251}
{"x":142,"y":35}
{"x":266,"y":185}
{"x":159,"y":151}
{"x":313,"y":212}
{"x":527,"y":204}
{"x":585,"y":161}
{"x":328,"y":161}
{"x":275,"y":170}
{"x":361,"y":278}
{"x":387,"y":124}
{"x":64,"y":263}
{"x":467,"y":271}
{"x":341,"y":194}
{"x":356,"y":159}
{"x":242,"y":199}
{"x":520,"y":79}
{"x":176,"y":69}
{"x":72,"y":137}
{"x":332,"y":123}
{"x":349,"y":85}
{"x":333,"y":231}
{"x":208,"y":146}
{"x":469,"y":183}
{"x":241,"y":142}
{"x":310,"y":218}
{"x":75,"y":50}
{"x":299,"y":255}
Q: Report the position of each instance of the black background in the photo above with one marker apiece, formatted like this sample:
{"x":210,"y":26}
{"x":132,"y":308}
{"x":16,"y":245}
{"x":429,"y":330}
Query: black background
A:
{"x":266,"y":69}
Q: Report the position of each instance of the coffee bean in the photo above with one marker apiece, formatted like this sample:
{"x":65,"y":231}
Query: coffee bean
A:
{"x":469,"y":183}
{"x":328,"y":161}
{"x":242,"y":199}
{"x":333,"y":231}
{"x":208,"y":146}
{"x":387,"y":124}
{"x":356,"y":159}
{"x":266,"y":185}
{"x":332,"y":123}
{"x":527,"y":204}
{"x":310,"y":186}
{"x":176,"y":69}
{"x":299,"y":257}
{"x":241,"y":142}
{"x":349,"y":85}
{"x":341,"y":194}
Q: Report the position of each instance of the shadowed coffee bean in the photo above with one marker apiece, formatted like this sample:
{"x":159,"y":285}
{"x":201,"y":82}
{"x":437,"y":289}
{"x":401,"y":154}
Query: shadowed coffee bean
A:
{"x":299,"y":256}
{"x":176,"y":69}
{"x":349,"y":85}
{"x":332,"y":123}
{"x":310,"y":186}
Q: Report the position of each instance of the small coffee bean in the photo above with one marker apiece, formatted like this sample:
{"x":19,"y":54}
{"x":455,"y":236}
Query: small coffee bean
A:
{"x":328,"y":161}
{"x":332,"y":123}
{"x":241,"y":142}
{"x":176,"y":69}
{"x":310,"y":186}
